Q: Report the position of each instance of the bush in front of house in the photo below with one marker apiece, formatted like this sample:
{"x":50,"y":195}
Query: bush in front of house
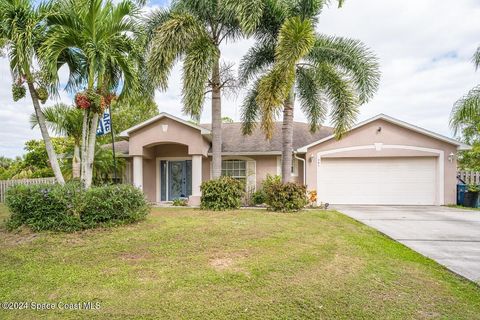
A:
{"x":258,"y":197}
{"x":285,"y":197}
{"x":221,"y":194}
{"x":70,"y":208}
{"x":113,"y":205}
{"x":44,"y":206}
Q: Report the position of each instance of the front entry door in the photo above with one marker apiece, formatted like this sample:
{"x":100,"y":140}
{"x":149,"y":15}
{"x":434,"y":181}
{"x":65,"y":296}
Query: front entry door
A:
{"x":177,"y":180}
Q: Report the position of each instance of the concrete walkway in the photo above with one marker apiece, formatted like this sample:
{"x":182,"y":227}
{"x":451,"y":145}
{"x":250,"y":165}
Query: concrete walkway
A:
{"x":449,"y":236}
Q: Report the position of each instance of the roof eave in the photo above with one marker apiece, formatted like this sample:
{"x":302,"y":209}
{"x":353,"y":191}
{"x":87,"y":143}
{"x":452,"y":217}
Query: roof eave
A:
{"x":126,"y":133}
{"x":460,"y":146}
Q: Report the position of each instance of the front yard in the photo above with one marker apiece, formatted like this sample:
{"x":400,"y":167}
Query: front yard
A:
{"x":189,"y":264}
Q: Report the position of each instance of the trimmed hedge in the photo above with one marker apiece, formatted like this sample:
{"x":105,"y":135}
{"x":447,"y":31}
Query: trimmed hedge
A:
{"x":221,"y":194}
{"x":286,"y":197}
{"x":71,"y":208}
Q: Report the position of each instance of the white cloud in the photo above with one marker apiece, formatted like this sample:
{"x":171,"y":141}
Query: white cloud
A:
{"x":424,"y":48}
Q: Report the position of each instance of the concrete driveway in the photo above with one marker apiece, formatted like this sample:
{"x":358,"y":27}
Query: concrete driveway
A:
{"x":447,"y":235}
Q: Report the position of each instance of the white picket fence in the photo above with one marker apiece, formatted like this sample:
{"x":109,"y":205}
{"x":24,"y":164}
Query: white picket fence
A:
{"x":470,"y":177}
{"x":5,"y":184}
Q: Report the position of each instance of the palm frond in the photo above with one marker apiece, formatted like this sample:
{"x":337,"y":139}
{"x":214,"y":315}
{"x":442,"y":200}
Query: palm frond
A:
{"x":257,"y":59}
{"x":250,"y":110}
{"x":247,"y":12}
{"x":465,"y":110}
{"x":476,"y":58}
{"x":197,"y":66}
{"x":274,"y":87}
{"x":306,"y":8}
{"x":312,"y":101}
{"x":62,"y":120}
{"x":171,"y":41}
{"x":353,"y":57}
{"x":154,"y":21}
{"x":341,"y":95}
{"x":295,"y":39}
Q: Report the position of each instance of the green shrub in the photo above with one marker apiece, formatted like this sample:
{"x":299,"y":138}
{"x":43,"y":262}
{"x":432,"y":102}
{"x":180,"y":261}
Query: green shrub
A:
{"x":221,"y":194}
{"x":258,"y":197}
{"x":70,"y":208}
{"x":44,"y":206}
{"x":286,"y":197}
{"x":180,"y":202}
{"x":113,"y":204}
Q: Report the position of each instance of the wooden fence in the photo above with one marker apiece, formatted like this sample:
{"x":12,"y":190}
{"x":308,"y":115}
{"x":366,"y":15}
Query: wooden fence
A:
{"x":5,"y":184}
{"x":469,"y":176}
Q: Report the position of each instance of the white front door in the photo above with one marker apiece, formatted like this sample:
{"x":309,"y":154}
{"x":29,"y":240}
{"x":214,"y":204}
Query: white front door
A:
{"x":390,"y":181}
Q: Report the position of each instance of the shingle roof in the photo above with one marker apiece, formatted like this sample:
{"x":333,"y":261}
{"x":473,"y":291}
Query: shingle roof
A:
{"x":234,"y":141}
{"x":120,"y":147}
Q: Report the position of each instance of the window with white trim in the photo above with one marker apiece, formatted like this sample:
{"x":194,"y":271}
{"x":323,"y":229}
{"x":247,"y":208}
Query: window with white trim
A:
{"x":236,"y":169}
{"x":294,"y":167}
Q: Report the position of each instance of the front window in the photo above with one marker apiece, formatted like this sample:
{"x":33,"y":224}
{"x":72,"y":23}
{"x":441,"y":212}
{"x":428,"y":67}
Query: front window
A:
{"x":236,"y":169}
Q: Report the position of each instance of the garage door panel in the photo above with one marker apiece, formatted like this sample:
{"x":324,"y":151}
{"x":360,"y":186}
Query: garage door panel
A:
{"x":377,"y":181}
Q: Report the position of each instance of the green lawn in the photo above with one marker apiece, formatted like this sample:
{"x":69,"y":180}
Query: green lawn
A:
{"x":189,"y":264}
{"x":462,"y":207}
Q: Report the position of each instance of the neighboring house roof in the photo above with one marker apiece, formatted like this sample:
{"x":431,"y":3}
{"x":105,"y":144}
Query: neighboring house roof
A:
{"x":126,"y":133}
{"x":460,"y":145}
{"x":121,"y":147}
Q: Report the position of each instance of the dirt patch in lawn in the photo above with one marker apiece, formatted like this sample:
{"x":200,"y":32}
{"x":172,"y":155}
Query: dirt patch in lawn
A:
{"x":18,"y":237}
{"x":228,"y":261}
{"x":135,"y":256}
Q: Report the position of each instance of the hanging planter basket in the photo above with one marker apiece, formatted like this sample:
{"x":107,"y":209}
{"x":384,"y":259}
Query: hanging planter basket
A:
{"x":18,"y":91}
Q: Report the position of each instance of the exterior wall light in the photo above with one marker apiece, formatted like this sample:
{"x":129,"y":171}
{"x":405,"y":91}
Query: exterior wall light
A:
{"x":451,"y":156}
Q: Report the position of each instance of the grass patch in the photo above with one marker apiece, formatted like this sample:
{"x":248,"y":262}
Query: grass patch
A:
{"x":462,"y":207}
{"x":247,"y":264}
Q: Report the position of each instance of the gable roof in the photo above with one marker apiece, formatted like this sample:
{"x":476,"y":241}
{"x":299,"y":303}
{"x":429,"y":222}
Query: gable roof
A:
{"x":460,"y":145}
{"x":162,"y":115}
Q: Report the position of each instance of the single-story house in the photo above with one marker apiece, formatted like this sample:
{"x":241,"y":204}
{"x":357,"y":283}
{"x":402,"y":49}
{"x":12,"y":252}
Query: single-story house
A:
{"x":379,"y":161}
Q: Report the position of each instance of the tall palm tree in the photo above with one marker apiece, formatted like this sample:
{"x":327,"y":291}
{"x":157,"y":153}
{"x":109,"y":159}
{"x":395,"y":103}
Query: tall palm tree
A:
{"x":66,"y":121}
{"x":21,"y":31}
{"x":291,"y":60}
{"x":100,"y":37}
{"x":465,"y":116}
{"x":193,"y":30}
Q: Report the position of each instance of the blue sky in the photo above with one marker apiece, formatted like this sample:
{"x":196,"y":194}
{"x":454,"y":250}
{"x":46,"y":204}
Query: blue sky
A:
{"x":424,"y":48}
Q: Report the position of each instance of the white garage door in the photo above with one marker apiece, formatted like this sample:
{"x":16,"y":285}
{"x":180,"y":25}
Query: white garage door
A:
{"x":400,"y":181}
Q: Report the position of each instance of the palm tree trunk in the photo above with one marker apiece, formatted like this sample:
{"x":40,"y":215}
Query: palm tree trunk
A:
{"x":91,"y":148}
{"x":52,"y":155}
{"x":216,"y":122}
{"x":76,"y":161}
{"x":84,"y":146}
{"x":90,"y":122}
{"x":287,"y":138}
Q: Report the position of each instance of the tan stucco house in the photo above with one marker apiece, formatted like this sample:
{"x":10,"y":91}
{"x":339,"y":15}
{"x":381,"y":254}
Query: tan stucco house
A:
{"x":380,"y":161}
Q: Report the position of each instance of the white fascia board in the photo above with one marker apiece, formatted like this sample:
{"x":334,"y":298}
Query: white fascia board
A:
{"x":460,"y":146}
{"x":203,"y":131}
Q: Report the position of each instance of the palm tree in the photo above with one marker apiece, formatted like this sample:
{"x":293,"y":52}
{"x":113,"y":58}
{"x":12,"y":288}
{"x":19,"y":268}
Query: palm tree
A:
{"x":21,"y":31}
{"x":193,"y":30}
{"x":98,"y":39}
{"x":465,"y":116}
{"x":67,"y":121}
{"x":291,"y":60}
